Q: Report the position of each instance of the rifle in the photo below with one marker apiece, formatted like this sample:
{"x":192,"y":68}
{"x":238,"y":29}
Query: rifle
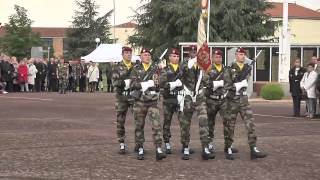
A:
{"x":136,"y":94}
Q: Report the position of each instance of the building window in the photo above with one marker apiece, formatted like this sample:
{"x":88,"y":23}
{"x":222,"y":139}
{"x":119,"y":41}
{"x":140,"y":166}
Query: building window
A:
{"x":307,"y":54}
{"x":47,"y":42}
{"x":295,"y":53}
{"x":275,"y":64}
{"x":263,"y":64}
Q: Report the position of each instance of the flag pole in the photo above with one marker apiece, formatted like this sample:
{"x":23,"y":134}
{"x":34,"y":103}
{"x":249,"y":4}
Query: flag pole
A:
{"x":208,"y":22}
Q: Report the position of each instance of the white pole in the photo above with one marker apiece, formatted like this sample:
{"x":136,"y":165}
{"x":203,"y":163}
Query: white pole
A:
{"x":208,"y":23}
{"x":114,"y":21}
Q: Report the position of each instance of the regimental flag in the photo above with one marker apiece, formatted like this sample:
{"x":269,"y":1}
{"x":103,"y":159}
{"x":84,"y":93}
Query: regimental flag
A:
{"x":203,"y":55}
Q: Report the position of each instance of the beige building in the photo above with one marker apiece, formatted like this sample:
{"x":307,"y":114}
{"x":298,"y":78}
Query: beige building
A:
{"x":122,"y":32}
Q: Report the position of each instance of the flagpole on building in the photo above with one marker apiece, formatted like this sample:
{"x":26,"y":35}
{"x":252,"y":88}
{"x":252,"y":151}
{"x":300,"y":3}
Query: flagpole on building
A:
{"x":208,"y":22}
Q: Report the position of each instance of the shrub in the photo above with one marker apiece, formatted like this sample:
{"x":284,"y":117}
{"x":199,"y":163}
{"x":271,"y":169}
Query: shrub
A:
{"x":272,"y":91}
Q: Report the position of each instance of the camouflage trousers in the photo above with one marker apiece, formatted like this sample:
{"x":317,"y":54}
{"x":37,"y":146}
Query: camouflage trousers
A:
{"x":169,"y":108}
{"x":143,"y":110}
{"x":122,"y":105}
{"x":213,"y":107}
{"x":63,"y":83}
{"x":240,"y":104}
{"x":200,"y":108}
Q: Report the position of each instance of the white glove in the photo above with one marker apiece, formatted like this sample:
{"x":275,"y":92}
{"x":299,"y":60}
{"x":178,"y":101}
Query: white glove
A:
{"x":146,"y":85}
{"x":127,"y":82}
{"x":175,"y":84}
{"x":242,"y":84}
{"x":191,"y":62}
{"x":217,"y":84}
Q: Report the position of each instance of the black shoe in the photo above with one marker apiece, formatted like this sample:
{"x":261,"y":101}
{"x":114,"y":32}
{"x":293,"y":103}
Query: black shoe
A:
{"x":140,"y":155}
{"x":207,"y":155}
{"x":122,"y":148}
{"x":229,"y":155}
{"x":255,"y":153}
{"x":191,"y":151}
{"x":168,"y":148}
{"x":160,"y":155}
{"x":186,"y":154}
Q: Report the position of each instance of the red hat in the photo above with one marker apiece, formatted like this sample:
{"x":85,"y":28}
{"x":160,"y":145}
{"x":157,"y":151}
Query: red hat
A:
{"x":241,"y":50}
{"x":126,"y":48}
{"x":218,"y":52}
{"x":193,"y":48}
{"x":145,"y":50}
{"x":174,"y":51}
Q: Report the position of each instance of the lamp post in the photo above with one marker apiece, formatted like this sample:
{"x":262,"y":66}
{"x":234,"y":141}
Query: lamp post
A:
{"x":48,"y":52}
{"x":97,"y":42}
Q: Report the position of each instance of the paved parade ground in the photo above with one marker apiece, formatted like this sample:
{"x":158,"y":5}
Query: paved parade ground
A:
{"x":73,"y":136}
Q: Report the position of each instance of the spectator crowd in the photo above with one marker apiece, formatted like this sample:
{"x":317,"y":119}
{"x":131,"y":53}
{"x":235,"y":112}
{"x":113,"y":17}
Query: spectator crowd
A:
{"x":40,"y":75}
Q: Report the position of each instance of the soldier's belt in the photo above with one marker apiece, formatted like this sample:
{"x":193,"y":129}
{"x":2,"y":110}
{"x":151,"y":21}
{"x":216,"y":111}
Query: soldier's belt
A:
{"x":152,"y":93}
{"x":175,"y":93}
{"x":126,"y":93}
{"x":244,"y":93}
{"x":192,"y":93}
{"x":219,"y":97}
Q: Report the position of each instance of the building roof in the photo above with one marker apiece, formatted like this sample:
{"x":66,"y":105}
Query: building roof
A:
{"x":126,"y":25}
{"x":295,"y":11}
{"x":50,"y":32}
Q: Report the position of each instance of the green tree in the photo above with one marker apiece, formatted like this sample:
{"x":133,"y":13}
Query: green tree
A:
{"x":165,"y":23}
{"x":19,"y":38}
{"x":86,"y":27}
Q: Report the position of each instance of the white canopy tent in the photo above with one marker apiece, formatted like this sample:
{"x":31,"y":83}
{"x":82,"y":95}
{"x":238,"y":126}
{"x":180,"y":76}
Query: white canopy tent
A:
{"x":107,"y":53}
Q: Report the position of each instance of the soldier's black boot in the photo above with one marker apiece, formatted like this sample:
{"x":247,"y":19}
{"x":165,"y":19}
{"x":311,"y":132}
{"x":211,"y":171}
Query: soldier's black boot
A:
{"x":206,"y":155}
{"x":229,"y":153}
{"x":191,"y":151}
{"x":140,"y":155}
{"x":122,"y":148}
{"x":168,"y":148}
{"x":186,"y":153}
{"x":255,"y":153}
{"x":159,"y":154}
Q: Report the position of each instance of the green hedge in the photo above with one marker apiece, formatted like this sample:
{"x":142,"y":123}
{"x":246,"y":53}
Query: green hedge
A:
{"x":272,"y":91}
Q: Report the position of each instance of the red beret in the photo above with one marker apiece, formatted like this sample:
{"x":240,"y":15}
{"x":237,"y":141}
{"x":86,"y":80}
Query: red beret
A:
{"x":174,"y":51}
{"x":241,"y":50}
{"x":193,"y":48}
{"x":218,"y":52}
{"x":145,"y":50}
{"x":125,"y":48}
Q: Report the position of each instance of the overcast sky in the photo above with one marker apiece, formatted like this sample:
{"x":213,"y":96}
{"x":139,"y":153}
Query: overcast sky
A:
{"x":58,"y":13}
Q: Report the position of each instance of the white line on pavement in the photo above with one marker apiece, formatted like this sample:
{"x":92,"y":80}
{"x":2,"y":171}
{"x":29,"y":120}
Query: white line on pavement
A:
{"x":26,"y":98}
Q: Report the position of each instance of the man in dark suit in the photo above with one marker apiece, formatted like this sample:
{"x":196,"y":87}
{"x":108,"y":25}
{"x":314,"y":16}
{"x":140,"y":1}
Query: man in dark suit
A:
{"x":295,"y":76}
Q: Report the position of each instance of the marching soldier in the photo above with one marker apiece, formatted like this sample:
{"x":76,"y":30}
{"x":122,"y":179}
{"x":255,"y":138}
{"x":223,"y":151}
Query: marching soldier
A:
{"x":216,"y":97}
{"x":121,"y":80}
{"x":194,"y":81}
{"x":171,"y":84}
{"x":145,"y":84}
{"x":63,"y":76}
{"x":238,"y":102}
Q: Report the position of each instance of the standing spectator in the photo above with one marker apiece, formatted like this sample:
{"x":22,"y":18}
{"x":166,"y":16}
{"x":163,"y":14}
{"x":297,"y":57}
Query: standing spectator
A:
{"x":23,"y":76}
{"x":308,"y":84}
{"x":314,"y":60}
{"x":93,"y":76}
{"x":100,"y":82}
{"x":52,"y":75}
{"x":6,"y":73}
{"x":109,"y":75}
{"x":295,"y":76}
{"x":32,"y":72}
{"x":16,"y":85}
{"x":83,"y":76}
{"x":40,"y":73}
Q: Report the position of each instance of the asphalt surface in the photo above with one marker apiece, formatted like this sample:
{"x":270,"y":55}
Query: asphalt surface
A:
{"x":73,"y":136}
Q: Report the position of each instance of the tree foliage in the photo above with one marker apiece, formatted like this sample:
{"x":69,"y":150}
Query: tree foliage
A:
{"x":86,"y":27}
{"x":165,"y":23}
{"x":19,"y":38}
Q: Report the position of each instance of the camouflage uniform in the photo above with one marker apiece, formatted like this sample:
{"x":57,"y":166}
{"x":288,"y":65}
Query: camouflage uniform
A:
{"x":170,"y":102}
{"x":216,"y":101}
{"x":239,"y":104}
{"x":123,"y":100}
{"x":189,"y":80}
{"x":63,"y":76}
{"x":146,"y":106}
{"x":76,"y":72}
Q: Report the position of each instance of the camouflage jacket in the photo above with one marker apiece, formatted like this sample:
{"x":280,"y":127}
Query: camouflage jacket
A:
{"x":137,"y":75}
{"x":75,"y":70}
{"x":190,"y":78}
{"x":169,"y":75}
{"x":63,"y":70}
{"x":234,"y":72}
{"x":215,"y":75}
{"x":120,"y":73}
